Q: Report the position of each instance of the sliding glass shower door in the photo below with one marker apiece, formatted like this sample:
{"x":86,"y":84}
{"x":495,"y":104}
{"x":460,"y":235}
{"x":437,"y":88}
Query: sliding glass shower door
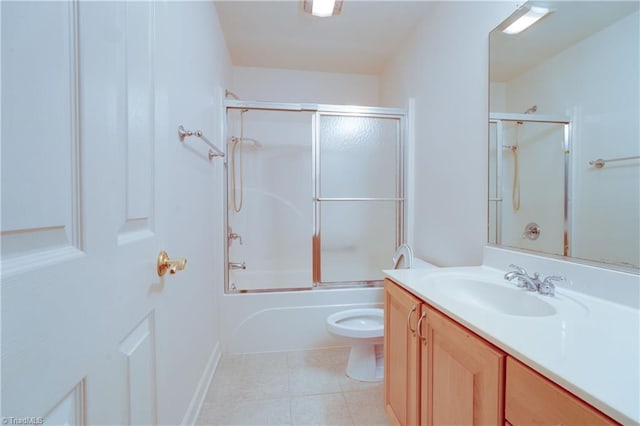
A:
{"x":358,"y":196}
{"x":269,"y":212}
{"x":314,"y":197}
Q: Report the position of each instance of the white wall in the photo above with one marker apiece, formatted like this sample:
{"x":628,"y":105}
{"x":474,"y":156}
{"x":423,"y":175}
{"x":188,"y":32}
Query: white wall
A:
{"x":283,"y":85}
{"x":444,"y":66}
{"x":595,"y":83}
{"x":192,"y":68}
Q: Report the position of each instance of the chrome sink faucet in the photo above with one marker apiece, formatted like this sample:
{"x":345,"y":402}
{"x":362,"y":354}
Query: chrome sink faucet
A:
{"x":533,"y":283}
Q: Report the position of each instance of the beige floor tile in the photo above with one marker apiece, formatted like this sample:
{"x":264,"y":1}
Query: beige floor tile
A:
{"x":250,"y":413}
{"x":367,"y":407}
{"x":324,"y":410}
{"x":347,"y":384}
{"x":314,"y":380}
{"x":248,"y":384}
{"x":313,"y":358}
{"x":250,"y":363}
{"x":300,"y":388}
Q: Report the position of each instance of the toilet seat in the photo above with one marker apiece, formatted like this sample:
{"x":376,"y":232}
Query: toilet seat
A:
{"x":357,"y":323}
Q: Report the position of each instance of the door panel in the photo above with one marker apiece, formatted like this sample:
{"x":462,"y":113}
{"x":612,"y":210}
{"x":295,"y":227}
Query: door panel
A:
{"x":467,"y":376}
{"x":138,"y":351}
{"x":42,"y":224}
{"x":79,"y":197}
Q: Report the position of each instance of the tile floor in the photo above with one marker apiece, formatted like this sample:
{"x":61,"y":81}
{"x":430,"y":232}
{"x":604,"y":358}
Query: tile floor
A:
{"x":291,"y":388}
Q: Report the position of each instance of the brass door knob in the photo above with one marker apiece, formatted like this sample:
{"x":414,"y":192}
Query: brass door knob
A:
{"x":172,"y":265}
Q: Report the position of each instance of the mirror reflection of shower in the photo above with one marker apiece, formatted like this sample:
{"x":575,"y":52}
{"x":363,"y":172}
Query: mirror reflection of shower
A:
{"x":515,"y":149}
{"x":515,"y":188}
{"x":529,"y":169}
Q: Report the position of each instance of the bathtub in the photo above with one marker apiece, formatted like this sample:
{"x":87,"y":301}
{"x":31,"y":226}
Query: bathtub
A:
{"x":290,"y":320}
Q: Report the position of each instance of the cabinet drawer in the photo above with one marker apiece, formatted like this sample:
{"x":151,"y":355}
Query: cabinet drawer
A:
{"x":531,"y":399}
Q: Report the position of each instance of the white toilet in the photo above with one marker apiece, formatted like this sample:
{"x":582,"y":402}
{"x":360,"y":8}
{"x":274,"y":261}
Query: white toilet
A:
{"x":365,"y":328}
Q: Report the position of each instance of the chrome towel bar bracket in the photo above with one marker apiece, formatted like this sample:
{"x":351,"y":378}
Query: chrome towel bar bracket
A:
{"x":213,"y":152}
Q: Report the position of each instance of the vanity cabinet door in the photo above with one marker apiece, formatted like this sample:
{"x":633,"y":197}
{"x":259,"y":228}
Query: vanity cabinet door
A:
{"x":533,"y":400}
{"x":465,"y":381}
{"x":401,"y":355}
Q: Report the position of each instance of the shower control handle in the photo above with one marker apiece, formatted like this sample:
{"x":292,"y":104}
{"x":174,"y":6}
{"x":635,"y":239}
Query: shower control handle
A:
{"x":234,"y":236}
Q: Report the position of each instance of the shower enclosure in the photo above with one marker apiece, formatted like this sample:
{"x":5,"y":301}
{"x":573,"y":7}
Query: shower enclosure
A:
{"x":529,"y":165}
{"x":315,"y":194}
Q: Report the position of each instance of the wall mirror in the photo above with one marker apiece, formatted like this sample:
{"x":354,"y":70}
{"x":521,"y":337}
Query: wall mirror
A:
{"x":564,"y":142}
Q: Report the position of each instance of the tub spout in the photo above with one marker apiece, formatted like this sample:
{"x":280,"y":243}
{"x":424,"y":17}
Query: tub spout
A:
{"x":404,"y":252}
{"x":235,"y":265}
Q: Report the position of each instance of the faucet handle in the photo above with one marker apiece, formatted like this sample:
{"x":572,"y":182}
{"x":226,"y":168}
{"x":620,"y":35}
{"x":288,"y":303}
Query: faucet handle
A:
{"x":547,"y":288}
{"x":519,"y":269}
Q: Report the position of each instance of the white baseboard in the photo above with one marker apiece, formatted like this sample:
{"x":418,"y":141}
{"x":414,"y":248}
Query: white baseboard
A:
{"x":195,"y":405}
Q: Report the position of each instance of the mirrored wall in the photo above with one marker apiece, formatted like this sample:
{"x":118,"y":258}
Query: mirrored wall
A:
{"x":580,"y":63}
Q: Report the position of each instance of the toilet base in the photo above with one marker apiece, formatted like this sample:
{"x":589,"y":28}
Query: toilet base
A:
{"x":366,"y":362}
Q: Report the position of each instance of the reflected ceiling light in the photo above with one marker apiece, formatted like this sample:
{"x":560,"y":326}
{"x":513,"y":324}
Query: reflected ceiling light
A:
{"x":323,"y":8}
{"x":533,"y":15}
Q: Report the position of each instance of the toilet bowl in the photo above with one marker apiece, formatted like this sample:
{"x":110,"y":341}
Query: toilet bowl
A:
{"x":365,"y":328}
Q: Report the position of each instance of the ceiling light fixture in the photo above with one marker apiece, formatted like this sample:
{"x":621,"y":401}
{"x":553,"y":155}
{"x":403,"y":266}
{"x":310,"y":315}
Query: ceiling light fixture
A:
{"x":323,"y":8}
{"x":533,"y":15}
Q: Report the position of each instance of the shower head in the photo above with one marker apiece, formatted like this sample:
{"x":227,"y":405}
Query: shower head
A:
{"x":228,"y":93}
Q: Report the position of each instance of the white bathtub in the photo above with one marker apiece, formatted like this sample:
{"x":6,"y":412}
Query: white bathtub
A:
{"x":291,"y":320}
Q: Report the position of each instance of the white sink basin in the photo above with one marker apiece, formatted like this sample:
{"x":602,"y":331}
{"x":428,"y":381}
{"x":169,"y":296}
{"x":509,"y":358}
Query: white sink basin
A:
{"x":497,"y":298}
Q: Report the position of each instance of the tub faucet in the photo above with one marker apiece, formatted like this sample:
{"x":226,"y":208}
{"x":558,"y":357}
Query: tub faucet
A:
{"x":236,"y":265}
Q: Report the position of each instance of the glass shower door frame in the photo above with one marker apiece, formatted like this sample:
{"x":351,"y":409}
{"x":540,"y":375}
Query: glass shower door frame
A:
{"x":318,"y":200}
{"x":319,"y":110}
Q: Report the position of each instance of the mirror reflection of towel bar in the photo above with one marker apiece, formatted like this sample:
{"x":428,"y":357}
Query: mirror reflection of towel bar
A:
{"x":599,"y":163}
{"x":213,"y":152}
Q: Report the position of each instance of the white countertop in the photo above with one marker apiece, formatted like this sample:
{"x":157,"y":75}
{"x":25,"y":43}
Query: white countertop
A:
{"x":590,"y":346}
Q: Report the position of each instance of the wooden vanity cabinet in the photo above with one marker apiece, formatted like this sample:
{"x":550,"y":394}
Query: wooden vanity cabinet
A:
{"x":436,"y":371}
{"x":401,"y":355}
{"x":531,"y":399}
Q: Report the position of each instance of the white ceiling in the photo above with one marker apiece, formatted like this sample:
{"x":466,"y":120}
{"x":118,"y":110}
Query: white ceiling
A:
{"x":279,"y":34}
{"x":365,"y":36}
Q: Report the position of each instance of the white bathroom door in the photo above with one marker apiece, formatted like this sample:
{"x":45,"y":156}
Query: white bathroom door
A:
{"x":80,"y":205}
